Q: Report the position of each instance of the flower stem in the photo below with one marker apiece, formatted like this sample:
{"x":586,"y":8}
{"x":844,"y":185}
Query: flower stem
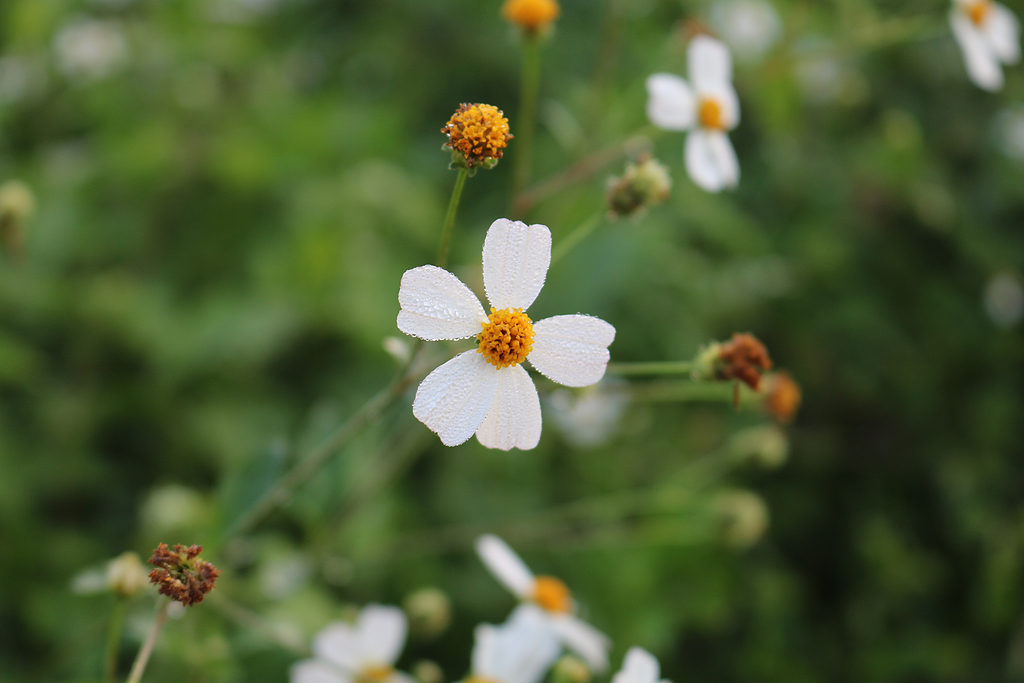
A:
{"x":146,"y":650}
{"x":670,"y":367}
{"x":114,"y":640}
{"x":527,"y":123}
{"x":576,"y":236}
{"x":449,"y":218}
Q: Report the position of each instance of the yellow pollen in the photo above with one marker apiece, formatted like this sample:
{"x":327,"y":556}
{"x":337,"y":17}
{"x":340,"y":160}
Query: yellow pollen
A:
{"x":375,"y":674}
{"x":478,"y":132}
{"x":531,"y":15}
{"x":710,"y":114}
{"x":551,"y":594}
{"x":507,"y":337}
{"x":978,"y":10}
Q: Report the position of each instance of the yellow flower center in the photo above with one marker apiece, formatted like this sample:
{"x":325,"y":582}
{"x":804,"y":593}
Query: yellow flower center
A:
{"x":978,"y":10}
{"x":507,"y":337}
{"x":551,"y":594}
{"x":478,"y":131}
{"x":710,"y":114}
{"x":532,"y":15}
{"x":375,"y":674}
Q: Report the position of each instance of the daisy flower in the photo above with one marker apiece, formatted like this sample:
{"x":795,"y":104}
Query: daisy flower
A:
{"x":519,"y":651}
{"x":361,"y":653}
{"x":639,"y":666}
{"x":989,"y":36}
{"x":708,"y":105}
{"x":486,"y":390}
{"x":550,"y":595}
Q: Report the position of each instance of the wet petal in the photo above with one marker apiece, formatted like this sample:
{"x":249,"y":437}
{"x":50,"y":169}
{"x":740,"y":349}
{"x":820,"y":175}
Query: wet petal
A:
{"x":709,"y":63}
{"x":437,"y":305}
{"x":670,"y":102}
{"x":382,"y":631}
{"x":454,"y":399}
{"x":982,"y":64}
{"x":514,"y":418}
{"x":571,"y":349}
{"x":506,"y":565}
{"x":516,"y":259}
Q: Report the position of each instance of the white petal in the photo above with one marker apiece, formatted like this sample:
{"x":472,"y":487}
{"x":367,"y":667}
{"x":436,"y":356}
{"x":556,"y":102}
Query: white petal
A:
{"x":382,"y":631}
{"x":572,"y":349}
{"x":583,"y":639}
{"x":639,"y":666}
{"x":982,"y":64}
{"x":670,"y":102}
{"x":725,"y":157}
{"x":506,"y":565}
{"x":1002,"y":31}
{"x":523,"y":648}
{"x":516,"y":260}
{"x":486,"y":648}
{"x":315,"y":671}
{"x":436,"y":305}
{"x":709,"y":63}
{"x":514,"y":418}
{"x":340,"y":645}
{"x":701,"y":163}
{"x":454,"y":399}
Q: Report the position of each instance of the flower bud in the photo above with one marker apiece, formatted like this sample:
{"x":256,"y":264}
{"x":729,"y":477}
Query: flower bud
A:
{"x":429,"y":611}
{"x":126,"y":575}
{"x":743,"y":517}
{"x":570,"y":669}
{"x":427,"y":671}
{"x":533,"y":16}
{"x":644,"y":184}
{"x":766,"y":445}
{"x":17,"y":204}
{"x":782,"y":396}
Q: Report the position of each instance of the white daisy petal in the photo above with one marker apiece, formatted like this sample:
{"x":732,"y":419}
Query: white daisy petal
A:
{"x":382,"y":632}
{"x":583,"y":639}
{"x":709,"y":63}
{"x":516,"y":259}
{"x":437,"y":305}
{"x":670,"y":102}
{"x":506,"y":565}
{"x":701,"y":163}
{"x":639,"y":666}
{"x":571,"y":349}
{"x":340,"y":645}
{"x":486,"y":647}
{"x":1002,"y":31}
{"x":520,"y":651}
{"x":454,"y":399}
{"x":315,"y":671}
{"x":514,"y":418}
{"x":725,"y":157}
{"x":982,"y":65}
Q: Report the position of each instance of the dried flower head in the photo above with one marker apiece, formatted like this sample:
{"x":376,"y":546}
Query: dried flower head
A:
{"x":476,"y":134}
{"x":180,"y":575}
{"x":531,"y":15}
{"x":743,"y":358}
{"x":645,"y":183}
{"x":782,"y":396}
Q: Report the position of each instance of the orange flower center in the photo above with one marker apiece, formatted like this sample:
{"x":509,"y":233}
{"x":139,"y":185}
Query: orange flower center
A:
{"x":530,"y":14}
{"x":375,"y":674}
{"x":551,"y":594}
{"x":710,"y":114}
{"x":507,"y":337}
{"x":478,"y":132}
{"x":978,"y":10}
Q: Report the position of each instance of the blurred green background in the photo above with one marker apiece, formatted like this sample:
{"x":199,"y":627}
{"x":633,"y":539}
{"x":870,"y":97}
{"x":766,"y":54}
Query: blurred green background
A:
{"x":227,"y":193}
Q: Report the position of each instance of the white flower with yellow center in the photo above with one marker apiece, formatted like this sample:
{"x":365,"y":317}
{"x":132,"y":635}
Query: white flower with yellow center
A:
{"x":361,"y":653}
{"x":639,"y":666}
{"x":521,"y":650}
{"x":549,"y":594}
{"x":989,"y":36}
{"x":708,"y":105}
{"x":486,"y":390}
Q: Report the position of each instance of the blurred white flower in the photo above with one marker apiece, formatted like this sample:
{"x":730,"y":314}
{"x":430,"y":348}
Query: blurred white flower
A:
{"x":989,"y":36}
{"x":592,"y":417}
{"x":361,"y":653}
{"x":20,"y":77}
{"x":1004,"y":299}
{"x":749,"y":27}
{"x":1009,"y":132}
{"x":521,"y":650}
{"x":90,"y":49}
{"x":639,"y":666}
{"x":549,"y":594}
{"x":710,"y":107}
{"x":486,"y":390}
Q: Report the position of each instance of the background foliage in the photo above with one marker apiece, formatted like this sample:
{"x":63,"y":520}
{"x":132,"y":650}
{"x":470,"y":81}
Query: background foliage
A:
{"x":227,"y":196}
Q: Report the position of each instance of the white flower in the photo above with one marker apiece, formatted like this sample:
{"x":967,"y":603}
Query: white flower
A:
{"x":519,"y":651}
{"x":639,"y":666}
{"x":708,"y":104}
{"x":989,"y":36}
{"x":591,"y":418}
{"x":362,"y":653}
{"x":90,"y":48}
{"x":485,"y":390}
{"x":749,"y":27}
{"x":548,"y":593}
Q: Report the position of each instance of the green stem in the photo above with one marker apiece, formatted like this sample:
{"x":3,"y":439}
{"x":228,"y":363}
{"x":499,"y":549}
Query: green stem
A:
{"x":449,"y":218}
{"x":146,"y":650}
{"x":114,"y":640}
{"x":675,"y":391}
{"x":669,"y":367}
{"x":527,"y":123}
{"x":576,"y":236}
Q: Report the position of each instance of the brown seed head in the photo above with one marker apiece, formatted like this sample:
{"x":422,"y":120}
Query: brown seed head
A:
{"x":744,"y":358}
{"x":478,"y":132}
{"x":180,"y":575}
